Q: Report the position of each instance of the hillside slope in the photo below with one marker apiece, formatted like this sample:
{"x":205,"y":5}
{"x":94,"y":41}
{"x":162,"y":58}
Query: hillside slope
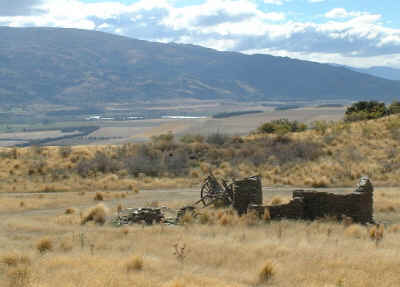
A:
{"x":68,"y":66}
{"x":337,"y":155}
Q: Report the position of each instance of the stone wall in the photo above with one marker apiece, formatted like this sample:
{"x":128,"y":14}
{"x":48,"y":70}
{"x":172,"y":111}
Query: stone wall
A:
{"x":247,"y":192}
{"x":311,"y":205}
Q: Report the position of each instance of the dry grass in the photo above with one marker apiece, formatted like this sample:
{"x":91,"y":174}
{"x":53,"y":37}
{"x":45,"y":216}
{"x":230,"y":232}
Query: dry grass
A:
{"x":19,"y":276}
{"x":99,"y":196}
{"x":207,"y":252}
{"x":97,"y":214}
{"x":15,"y":259}
{"x":347,"y":152}
{"x":266,"y":273}
{"x":135,"y":263}
{"x":44,"y":245}
{"x":70,"y":210}
{"x":219,"y":248}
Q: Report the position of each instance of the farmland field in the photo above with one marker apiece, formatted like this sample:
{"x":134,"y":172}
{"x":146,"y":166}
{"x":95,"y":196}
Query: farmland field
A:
{"x":115,"y":132}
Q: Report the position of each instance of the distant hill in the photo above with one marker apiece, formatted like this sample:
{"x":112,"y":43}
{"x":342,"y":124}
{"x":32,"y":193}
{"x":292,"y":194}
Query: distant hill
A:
{"x":382,"y":72}
{"x":69,"y":66}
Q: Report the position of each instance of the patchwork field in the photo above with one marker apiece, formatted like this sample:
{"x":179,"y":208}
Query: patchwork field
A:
{"x":44,"y":244}
{"x":116,"y":132}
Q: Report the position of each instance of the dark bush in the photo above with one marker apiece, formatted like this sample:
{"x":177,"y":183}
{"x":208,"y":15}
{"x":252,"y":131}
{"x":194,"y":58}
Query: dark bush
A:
{"x":365,"y":110}
{"x":101,"y":162}
{"x":164,"y":142}
{"x":146,"y":160}
{"x":176,"y":162}
{"x":218,"y":139}
{"x":394,"y":108}
{"x":281,"y":126}
{"x":191,"y":138}
{"x":104,"y":163}
{"x":65,"y":151}
{"x":281,"y":150}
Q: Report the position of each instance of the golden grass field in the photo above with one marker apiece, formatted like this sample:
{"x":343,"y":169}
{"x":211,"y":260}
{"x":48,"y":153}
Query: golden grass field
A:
{"x":44,"y":244}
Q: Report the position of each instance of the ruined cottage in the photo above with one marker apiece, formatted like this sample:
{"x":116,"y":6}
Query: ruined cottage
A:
{"x":310,"y":205}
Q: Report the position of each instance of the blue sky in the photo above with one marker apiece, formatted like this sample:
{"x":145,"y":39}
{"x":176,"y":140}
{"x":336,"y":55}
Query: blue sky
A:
{"x":360,"y":33}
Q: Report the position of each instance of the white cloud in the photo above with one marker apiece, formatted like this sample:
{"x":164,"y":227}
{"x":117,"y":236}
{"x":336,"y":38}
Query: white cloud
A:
{"x":20,"y":7}
{"x":338,"y":13}
{"x":316,"y":1}
{"x":392,"y":60}
{"x":274,"y":2}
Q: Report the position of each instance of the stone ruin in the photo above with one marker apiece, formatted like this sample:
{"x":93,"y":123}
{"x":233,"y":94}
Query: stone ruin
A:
{"x":246,"y":192}
{"x":311,"y":205}
{"x":305,"y":204}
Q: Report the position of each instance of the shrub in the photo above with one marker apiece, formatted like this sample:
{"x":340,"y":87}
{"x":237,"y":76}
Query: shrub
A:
{"x":394,"y":108}
{"x":164,"y":142}
{"x":19,"y":276}
{"x":176,"y":162}
{"x":44,"y":245}
{"x":70,"y":210}
{"x":64,"y":151}
{"x":266,"y":273}
{"x":320,"y":126}
{"x":134,"y":264}
{"x":376,"y":233}
{"x":365,"y":111}
{"x":97,"y":214}
{"x":281,"y":126}
{"x":14,"y":259}
{"x":187,"y":218}
{"x":146,"y":160}
{"x":66,"y":246}
{"x":249,"y":219}
{"x":276,"y":201}
{"x":99,"y":196}
{"x":267,"y":215}
{"x":218,"y":139}
{"x":204,"y":218}
{"x":104,"y":163}
{"x":191,"y":138}
{"x":355,"y":231}
{"x":101,"y":162}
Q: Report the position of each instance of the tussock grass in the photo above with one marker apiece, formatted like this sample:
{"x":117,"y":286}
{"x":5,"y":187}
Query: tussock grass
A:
{"x":99,"y":196}
{"x":70,"y":210}
{"x":266,"y":273}
{"x":135,"y":263}
{"x":19,"y":276}
{"x":44,"y":245}
{"x":97,"y":214}
{"x":15,"y":259}
{"x":356,"y":231}
{"x":335,"y":157}
{"x":231,"y":255}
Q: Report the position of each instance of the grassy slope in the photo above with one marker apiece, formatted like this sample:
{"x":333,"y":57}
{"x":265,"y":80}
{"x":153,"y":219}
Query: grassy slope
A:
{"x":347,"y":151}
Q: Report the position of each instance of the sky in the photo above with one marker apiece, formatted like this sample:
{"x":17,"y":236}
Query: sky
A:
{"x":360,"y":33}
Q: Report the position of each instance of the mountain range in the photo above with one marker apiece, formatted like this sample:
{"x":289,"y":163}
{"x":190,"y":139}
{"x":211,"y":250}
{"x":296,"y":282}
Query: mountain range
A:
{"x":382,"y":72}
{"x":75,"y":67}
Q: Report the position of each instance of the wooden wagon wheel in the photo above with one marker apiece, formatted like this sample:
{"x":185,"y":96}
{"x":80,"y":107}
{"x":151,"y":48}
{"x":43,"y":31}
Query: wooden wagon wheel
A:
{"x":208,"y":192}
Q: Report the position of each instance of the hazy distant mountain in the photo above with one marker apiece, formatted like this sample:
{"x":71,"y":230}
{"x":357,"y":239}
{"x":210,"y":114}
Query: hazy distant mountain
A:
{"x":383,"y":72}
{"x":68,"y":66}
